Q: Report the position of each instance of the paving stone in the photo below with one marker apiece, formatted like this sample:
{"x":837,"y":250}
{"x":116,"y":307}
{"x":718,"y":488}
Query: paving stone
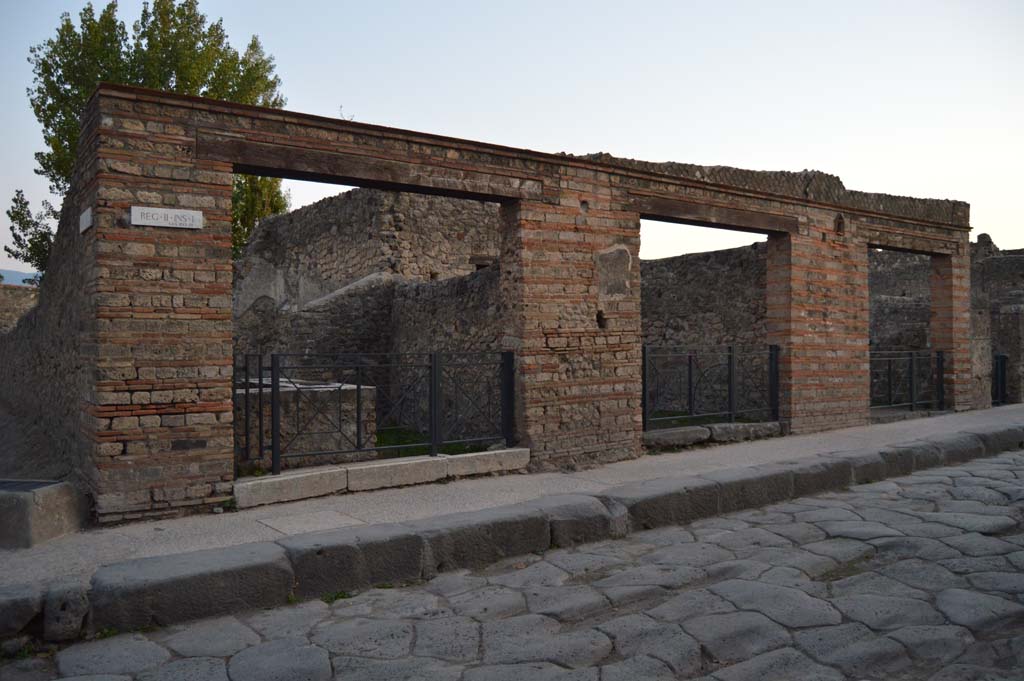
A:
{"x":488,"y":603}
{"x":962,"y":566}
{"x":964,"y":672}
{"x":190,"y":669}
{"x":842,"y":550}
{"x":922,"y":574}
{"x":974,"y":544}
{"x":690,"y":604}
{"x":787,"y":606}
{"x":541,"y":573}
{"x":887,"y":612}
{"x":825,"y":514}
{"x":857,"y":529}
{"x":798,"y":533}
{"x":623,"y":595}
{"x":535,"y":671}
{"x":636,"y":635}
{"x":418,"y":669}
{"x":218,"y":637}
{"x":853,"y":648}
{"x":124,"y":654}
{"x":639,"y":667}
{"x":791,"y":577}
{"x":927,"y":530}
{"x":745,"y":542}
{"x":786,"y":664}
{"x":761,"y":516}
{"x":454,"y":582}
{"x":972,"y":522}
{"x":456,"y":639}
{"x":887,"y":516}
{"x":533,"y":638}
{"x":1007,"y":582}
{"x":874,"y":583}
{"x":284,"y":659}
{"x":938,"y":644}
{"x":915,"y":547}
{"x":379,"y":639}
{"x":37,"y":669}
{"x":984,"y":495}
{"x":666,"y":576}
{"x":398,"y":604}
{"x":736,"y":569}
{"x":665,"y":536}
{"x":565,"y":603}
{"x":805,"y":561}
{"x":296,"y":620}
{"x":580,"y":564}
{"x":1017,"y":559}
{"x":736,"y":636}
{"x":693,"y":554}
{"x":976,"y":611}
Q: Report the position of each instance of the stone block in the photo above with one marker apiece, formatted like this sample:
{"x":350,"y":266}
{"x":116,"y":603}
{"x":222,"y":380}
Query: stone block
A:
{"x":579,"y":519}
{"x":751,"y":487}
{"x":64,"y":609}
{"x":165,"y":590}
{"x":669,"y":501}
{"x":496,"y":461}
{"x":32,"y":516}
{"x":866,"y":465}
{"x":899,"y":461}
{"x":926,"y":454}
{"x":290,"y":486}
{"x":738,"y":432}
{"x":397,"y":473}
{"x":354,"y":558}
{"x":1001,"y":438}
{"x":669,"y":438}
{"x":479,"y":538}
{"x":957,"y":448}
{"x":19,"y":605}
{"x":816,"y":474}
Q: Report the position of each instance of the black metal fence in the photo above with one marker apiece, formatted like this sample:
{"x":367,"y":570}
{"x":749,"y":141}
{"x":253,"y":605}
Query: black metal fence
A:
{"x":908,"y":379}
{"x":690,"y":387}
{"x":300,"y":409}
{"x":1000,"y":390}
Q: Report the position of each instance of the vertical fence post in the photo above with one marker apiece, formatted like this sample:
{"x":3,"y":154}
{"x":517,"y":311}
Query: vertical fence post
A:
{"x":643,"y":385}
{"x":691,"y":394}
{"x":773,"y":381}
{"x":890,"y":377}
{"x":275,"y":413}
{"x":435,"y":403}
{"x":260,"y":439}
{"x":359,"y":405}
{"x":732,"y":385}
{"x":248,"y":417}
{"x":912,"y":382}
{"x":508,"y":394}
{"x":940,"y":378}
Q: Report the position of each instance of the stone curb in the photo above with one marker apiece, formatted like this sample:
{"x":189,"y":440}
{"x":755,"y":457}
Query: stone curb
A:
{"x":171,"y":589}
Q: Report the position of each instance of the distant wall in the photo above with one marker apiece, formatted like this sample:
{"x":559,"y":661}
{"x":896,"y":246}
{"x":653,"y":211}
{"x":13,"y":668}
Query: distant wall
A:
{"x":303,"y":255}
{"x":15,"y":301}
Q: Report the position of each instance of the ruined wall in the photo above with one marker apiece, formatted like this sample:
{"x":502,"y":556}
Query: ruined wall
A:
{"x":15,"y":301}
{"x":300,"y":256}
{"x":705,"y":299}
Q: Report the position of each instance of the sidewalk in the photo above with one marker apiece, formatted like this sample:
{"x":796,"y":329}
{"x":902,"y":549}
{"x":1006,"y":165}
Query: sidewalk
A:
{"x":79,"y":555}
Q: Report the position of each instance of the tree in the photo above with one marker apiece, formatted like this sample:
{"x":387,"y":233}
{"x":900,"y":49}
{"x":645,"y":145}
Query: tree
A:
{"x":171,"y":47}
{"x":31,"y":233}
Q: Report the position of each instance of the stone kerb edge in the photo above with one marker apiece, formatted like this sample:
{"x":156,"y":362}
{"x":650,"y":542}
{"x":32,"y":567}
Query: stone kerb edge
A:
{"x":314,"y":564}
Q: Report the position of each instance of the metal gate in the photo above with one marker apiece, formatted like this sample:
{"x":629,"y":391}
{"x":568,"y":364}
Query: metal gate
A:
{"x":1000,"y":364}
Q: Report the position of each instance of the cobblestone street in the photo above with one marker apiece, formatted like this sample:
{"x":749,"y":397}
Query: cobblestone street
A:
{"x":915,"y":578}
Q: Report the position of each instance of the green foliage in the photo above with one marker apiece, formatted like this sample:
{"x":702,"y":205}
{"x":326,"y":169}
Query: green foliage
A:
{"x":32,"y":235}
{"x":171,"y":47}
{"x":329,"y":598}
{"x":253,"y":198}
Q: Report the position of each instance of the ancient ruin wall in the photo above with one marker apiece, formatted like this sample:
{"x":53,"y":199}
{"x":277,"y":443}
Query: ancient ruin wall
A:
{"x":15,"y":301}
{"x":313,"y":251}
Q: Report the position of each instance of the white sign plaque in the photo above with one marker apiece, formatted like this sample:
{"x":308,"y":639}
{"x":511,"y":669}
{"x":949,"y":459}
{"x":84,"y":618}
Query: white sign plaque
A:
{"x":167,"y":217}
{"x":85,"y":220}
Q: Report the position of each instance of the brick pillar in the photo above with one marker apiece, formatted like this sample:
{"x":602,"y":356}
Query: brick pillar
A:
{"x":817,"y":311}
{"x":571,"y":276}
{"x":950,"y":329}
{"x":161,"y":411}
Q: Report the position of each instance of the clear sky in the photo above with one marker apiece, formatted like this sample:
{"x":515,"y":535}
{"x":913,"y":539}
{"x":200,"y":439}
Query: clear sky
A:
{"x":914,"y":98}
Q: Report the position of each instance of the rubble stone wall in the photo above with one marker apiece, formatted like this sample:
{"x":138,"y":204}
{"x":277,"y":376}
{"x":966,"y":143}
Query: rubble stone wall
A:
{"x":15,"y":301}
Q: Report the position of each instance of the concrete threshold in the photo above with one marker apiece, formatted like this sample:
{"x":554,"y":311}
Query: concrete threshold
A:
{"x":318,"y":481}
{"x":165,"y":590}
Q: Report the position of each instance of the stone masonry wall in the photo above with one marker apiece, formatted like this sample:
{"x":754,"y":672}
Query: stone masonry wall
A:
{"x":15,"y":301}
{"x":313,"y":251}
